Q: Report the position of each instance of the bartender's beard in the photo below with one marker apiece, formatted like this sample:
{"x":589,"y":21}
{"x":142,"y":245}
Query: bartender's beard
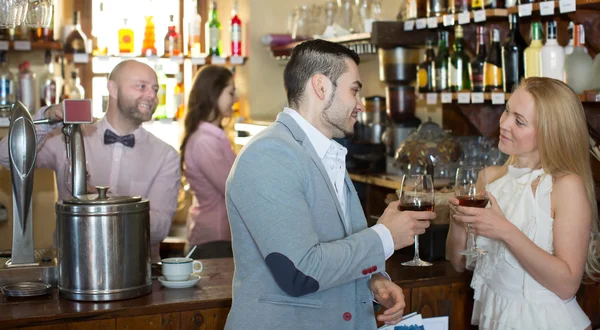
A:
{"x":129,"y":108}
{"x":336,"y":114}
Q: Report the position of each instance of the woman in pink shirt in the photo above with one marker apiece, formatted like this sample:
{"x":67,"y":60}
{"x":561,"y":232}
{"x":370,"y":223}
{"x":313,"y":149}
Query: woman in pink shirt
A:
{"x":206,"y":159}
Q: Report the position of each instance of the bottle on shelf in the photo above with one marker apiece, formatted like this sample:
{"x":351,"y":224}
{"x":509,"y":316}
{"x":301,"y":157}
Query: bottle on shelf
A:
{"x":236,"y":31}
{"x":161,"y":108}
{"x":27,"y":86}
{"x":194,"y":30}
{"x":441,"y":63}
{"x":533,"y":53}
{"x":72,"y":88}
{"x":477,"y":66}
{"x":437,"y":7}
{"x":148,"y":44}
{"x":76,"y":41}
{"x":98,"y":32}
{"x":493,"y":4}
{"x":48,"y":82}
{"x":172,"y":39}
{"x":460,"y":77}
{"x":126,"y":39}
{"x":7,"y":82}
{"x":553,"y":55}
{"x":48,"y":32}
{"x":579,"y":64}
{"x":179,"y":93}
{"x":477,"y":4}
{"x":425,"y":75}
{"x":513,"y":63}
{"x":213,"y":32}
{"x":458,"y":6}
{"x":492,"y":69}
{"x":571,"y":33}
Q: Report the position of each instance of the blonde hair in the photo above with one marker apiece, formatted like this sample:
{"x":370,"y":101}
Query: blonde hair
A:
{"x":563,"y":145}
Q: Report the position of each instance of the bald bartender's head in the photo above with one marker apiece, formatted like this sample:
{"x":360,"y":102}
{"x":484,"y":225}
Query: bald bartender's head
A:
{"x":132,"y":88}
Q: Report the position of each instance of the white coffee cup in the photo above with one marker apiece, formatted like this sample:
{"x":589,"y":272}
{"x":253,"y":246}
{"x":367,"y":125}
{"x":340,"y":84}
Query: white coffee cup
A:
{"x":179,"y":269}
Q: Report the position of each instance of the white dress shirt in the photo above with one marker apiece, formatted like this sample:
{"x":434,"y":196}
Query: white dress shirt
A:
{"x":333,"y":156}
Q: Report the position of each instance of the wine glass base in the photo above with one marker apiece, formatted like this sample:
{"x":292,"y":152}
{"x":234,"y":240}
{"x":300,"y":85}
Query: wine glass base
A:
{"x":474,"y":252}
{"x":416,"y":263}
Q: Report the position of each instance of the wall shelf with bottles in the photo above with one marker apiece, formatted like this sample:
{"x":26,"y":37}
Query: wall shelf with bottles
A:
{"x":480,"y":98}
{"x":201,"y":60}
{"x":27,"y":45}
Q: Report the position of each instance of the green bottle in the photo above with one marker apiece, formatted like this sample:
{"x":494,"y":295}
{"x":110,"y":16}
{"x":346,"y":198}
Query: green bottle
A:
{"x":441,"y":63}
{"x":161,"y":107}
{"x":213,"y":32}
{"x":460,"y":72}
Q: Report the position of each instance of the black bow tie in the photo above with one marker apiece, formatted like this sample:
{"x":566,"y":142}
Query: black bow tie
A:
{"x":127,"y":140}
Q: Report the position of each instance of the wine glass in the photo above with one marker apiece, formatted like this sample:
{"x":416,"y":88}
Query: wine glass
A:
{"x":470,"y":192}
{"x":417,"y":194}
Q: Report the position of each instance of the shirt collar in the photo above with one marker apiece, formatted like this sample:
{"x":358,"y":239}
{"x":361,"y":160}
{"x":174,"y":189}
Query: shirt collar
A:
{"x":319,"y":141}
{"x":104,"y":124}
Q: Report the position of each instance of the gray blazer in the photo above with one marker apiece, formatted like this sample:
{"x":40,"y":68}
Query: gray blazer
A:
{"x":299,"y":263}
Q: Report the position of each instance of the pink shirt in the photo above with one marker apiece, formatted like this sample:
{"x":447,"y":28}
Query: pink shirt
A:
{"x":208,"y":160}
{"x":149,"y":169}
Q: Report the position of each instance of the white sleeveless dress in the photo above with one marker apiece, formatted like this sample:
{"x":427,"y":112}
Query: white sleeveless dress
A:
{"x":506,"y":296}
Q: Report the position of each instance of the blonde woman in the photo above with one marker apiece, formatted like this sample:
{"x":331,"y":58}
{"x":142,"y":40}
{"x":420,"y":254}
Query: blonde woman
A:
{"x":537,"y":227}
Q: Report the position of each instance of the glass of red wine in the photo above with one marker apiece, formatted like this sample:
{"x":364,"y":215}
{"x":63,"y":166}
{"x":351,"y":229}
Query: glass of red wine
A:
{"x":417,"y":194}
{"x":470,"y":192}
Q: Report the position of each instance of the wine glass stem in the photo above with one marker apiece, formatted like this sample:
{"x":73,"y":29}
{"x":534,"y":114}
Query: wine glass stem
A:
{"x":473,"y":240}
{"x":417,"y":247}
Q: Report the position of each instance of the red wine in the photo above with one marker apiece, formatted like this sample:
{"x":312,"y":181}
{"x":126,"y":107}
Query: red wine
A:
{"x":472,"y":201}
{"x":424,"y":206}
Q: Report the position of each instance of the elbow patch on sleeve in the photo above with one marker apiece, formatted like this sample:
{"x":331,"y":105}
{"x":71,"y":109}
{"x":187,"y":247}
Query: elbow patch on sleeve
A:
{"x":289,"y":278}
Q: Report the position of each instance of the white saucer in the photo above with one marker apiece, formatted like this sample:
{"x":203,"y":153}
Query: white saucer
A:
{"x":179,"y":284}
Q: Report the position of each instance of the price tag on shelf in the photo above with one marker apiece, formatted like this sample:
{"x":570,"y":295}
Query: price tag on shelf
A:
{"x":177,"y":59}
{"x":464,"y":18}
{"x":476,"y":98}
{"x":525,"y":10}
{"x":479,"y":16}
{"x":432,"y":98}
{"x":464,"y":98}
{"x":4,"y":122}
{"x":421,"y":23}
{"x":566,"y":6}
{"x":498,"y":98}
{"x":22,"y":45}
{"x":446,"y":97}
{"x":218,"y":60}
{"x":4,"y":45}
{"x":547,"y":8}
{"x":150,"y":59}
{"x":432,"y":23}
{"x":409,"y":25}
{"x":198,"y":60}
{"x":448,"y":20}
{"x":236,"y":60}
{"x":102,"y":58}
{"x":81,"y":58}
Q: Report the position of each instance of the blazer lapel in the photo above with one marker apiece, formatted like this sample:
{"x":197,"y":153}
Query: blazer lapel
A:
{"x":301,"y":137}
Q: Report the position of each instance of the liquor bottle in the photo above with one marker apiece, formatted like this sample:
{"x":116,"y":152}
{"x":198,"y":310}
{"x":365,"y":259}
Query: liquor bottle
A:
{"x":436,"y":7}
{"x":48,"y":32}
{"x":27,"y":86}
{"x":48,"y":83}
{"x":492,"y":69}
{"x":194,"y":30}
{"x":172,"y":40}
{"x":570,"y":32}
{"x":213,"y":32}
{"x":477,"y":4}
{"x":72,"y":88}
{"x":98,"y":32}
{"x":492,"y":4}
{"x":425,"y":76}
{"x":148,"y":47}
{"x":533,"y":53}
{"x":513,"y":63}
{"x":579,"y":64}
{"x":179,"y":93}
{"x":236,"y":31}
{"x":458,"y":6}
{"x":477,"y":66}
{"x":76,"y":40}
{"x":459,"y":63}
{"x":441,"y":63}
{"x":126,"y":39}
{"x":161,"y":108}
{"x":553,"y":55}
{"x":7,"y":82}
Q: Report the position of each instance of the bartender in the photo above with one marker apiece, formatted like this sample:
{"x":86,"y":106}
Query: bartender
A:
{"x":120,"y":153}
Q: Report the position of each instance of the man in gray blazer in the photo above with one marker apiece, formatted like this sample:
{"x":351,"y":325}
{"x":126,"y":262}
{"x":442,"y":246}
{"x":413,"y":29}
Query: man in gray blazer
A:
{"x":304,"y":257}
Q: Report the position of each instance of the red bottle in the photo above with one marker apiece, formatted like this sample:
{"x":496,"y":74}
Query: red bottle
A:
{"x":236,"y":31}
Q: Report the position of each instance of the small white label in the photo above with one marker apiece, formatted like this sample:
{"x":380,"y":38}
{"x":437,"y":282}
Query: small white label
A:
{"x":421,"y":23}
{"x":81,"y":58}
{"x":432,"y":98}
{"x":464,"y":98}
{"x":3,"y":45}
{"x":152,"y":58}
{"x":432,"y":23}
{"x":218,"y":60}
{"x":476,"y":98}
{"x":236,"y":60}
{"x":525,"y":10}
{"x":448,"y":20}
{"x":497,"y":98}
{"x":198,"y":60}
{"x":102,"y":58}
{"x":566,"y":6}
{"x":547,"y":8}
{"x":4,"y":122}
{"x":464,"y":18}
{"x":22,"y":45}
{"x":446,"y":97}
{"x":177,"y":59}
{"x":479,"y":16}
{"x":409,"y":25}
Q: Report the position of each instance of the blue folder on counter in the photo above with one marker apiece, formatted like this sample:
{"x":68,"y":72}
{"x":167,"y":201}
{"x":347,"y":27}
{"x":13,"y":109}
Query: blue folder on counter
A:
{"x":415,"y":321}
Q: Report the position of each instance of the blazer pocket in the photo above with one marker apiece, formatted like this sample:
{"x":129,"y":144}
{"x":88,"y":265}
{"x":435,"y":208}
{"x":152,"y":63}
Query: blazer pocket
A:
{"x":289,"y":301}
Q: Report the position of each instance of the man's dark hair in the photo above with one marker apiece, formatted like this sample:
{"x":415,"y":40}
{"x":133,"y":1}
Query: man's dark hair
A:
{"x":310,"y":58}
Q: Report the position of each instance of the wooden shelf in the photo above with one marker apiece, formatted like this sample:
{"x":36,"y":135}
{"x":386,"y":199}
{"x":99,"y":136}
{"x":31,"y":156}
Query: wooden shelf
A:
{"x":202,"y":60}
{"x":284,"y":51}
{"x":27,"y":45}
